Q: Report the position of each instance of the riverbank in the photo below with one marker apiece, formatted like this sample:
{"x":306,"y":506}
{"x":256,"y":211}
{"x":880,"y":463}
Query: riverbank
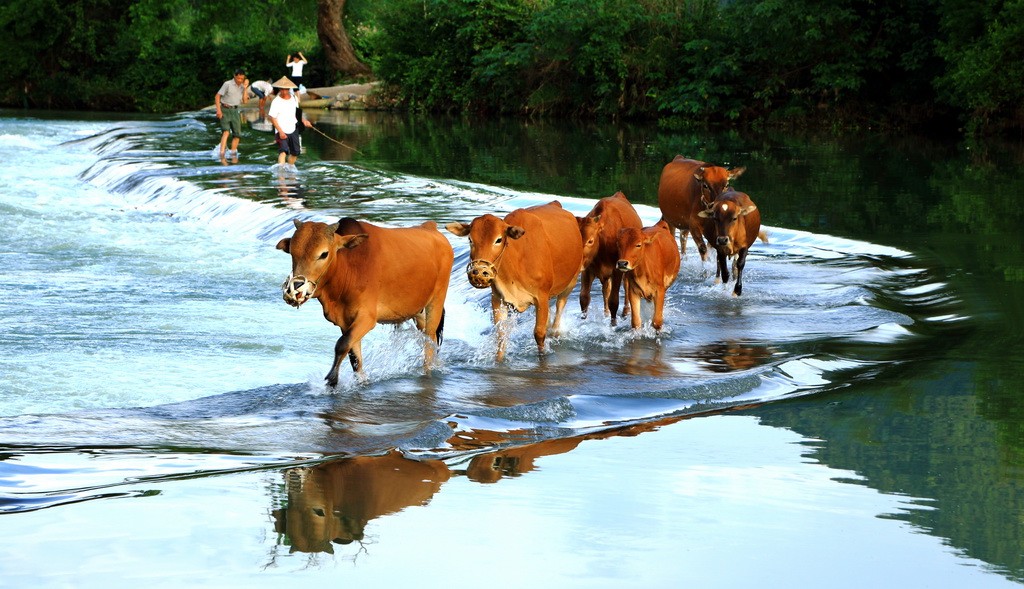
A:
{"x":340,"y":97}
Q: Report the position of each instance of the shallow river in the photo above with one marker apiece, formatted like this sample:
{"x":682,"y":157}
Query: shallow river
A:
{"x":853,"y":418}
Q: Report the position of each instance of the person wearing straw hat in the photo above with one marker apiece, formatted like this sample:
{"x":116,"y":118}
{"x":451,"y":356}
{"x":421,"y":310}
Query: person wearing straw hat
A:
{"x":232,"y":94}
{"x":285,"y":115}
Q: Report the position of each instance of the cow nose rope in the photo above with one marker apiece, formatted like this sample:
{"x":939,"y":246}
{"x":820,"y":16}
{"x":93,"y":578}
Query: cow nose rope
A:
{"x":486,"y":264}
{"x":705,"y":192}
{"x":316,"y":282}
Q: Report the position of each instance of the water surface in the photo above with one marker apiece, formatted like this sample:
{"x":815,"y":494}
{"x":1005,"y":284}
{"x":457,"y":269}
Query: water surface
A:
{"x":869,"y":374}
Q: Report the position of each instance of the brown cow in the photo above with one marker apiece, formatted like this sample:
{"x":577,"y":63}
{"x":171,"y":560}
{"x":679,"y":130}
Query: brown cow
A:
{"x":735,"y":225}
{"x":610,"y":214}
{"x":590,"y":233}
{"x":687,"y":187}
{"x":364,"y":275}
{"x":530,"y":256}
{"x":650,"y":260}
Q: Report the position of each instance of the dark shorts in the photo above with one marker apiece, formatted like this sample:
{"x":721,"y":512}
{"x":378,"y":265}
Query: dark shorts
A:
{"x":290,"y":145}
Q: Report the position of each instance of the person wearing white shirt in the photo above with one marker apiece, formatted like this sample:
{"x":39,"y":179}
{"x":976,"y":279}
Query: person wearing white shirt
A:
{"x":283,"y":114}
{"x":263,"y":89}
{"x":295,"y":62}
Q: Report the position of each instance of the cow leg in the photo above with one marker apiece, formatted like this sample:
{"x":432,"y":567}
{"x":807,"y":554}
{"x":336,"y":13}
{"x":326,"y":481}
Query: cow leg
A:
{"x":540,"y":328}
{"x":606,"y":294}
{"x":355,"y":357}
{"x":659,"y":308}
{"x":349,"y":345}
{"x":433,"y":330}
{"x":723,"y":266}
{"x":586,"y":281}
{"x":560,"y":301}
{"x":615,"y":283}
{"x":698,"y":238}
{"x":500,"y":312}
{"x":682,"y":240}
{"x":634,"y":304}
{"x":741,"y":262}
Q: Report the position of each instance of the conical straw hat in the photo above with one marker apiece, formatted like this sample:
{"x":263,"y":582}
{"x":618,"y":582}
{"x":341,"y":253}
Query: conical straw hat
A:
{"x":284,"y":82}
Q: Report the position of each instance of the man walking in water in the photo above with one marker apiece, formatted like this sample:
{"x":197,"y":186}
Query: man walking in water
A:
{"x":284,"y":115}
{"x":232,"y":94}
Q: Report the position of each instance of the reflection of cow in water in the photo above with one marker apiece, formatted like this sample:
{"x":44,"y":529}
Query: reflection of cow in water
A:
{"x":490,"y":467}
{"x":732,"y":356}
{"x":332,"y":502}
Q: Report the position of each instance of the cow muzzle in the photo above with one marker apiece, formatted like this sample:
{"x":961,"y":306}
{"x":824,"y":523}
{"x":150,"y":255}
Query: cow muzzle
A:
{"x":481,"y":273}
{"x":622,"y":266}
{"x":297,"y":290}
{"x":723,"y":240}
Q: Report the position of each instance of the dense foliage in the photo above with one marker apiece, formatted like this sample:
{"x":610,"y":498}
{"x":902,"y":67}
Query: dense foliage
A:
{"x":146,"y":55}
{"x":858,"y":62}
{"x":844,"y":62}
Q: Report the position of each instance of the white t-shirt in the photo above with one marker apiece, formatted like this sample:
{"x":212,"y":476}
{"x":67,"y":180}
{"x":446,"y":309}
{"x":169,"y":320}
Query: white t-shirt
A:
{"x":263,"y":86}
{"x":283,"y":111}
{"x":297,"y":67}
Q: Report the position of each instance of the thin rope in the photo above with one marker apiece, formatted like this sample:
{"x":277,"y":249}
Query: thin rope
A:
{"x":335,"y":140}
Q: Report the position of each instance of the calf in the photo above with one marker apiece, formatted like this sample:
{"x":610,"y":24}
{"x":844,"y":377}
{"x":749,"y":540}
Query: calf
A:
{"x":364,"y":275}
{"x":649,"y":259}
{"x":735,"y":224}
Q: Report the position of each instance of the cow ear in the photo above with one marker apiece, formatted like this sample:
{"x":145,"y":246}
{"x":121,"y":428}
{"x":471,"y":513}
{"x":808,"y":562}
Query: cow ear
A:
{"x":706,"y":213}
{"x":515,"y":232}
{"x":332,"y":228}
{"x":351,"y":241}
{"x":460,"y":229}
{"x":297,"y":223}
{"x":284,"y":244}
{"x":736,"y":172}
{"x":699,"y":173}
{"x":747,"y":210}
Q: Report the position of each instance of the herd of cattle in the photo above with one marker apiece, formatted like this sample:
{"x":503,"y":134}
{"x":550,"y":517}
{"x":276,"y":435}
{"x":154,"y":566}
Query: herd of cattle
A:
{"x":364,"y":275}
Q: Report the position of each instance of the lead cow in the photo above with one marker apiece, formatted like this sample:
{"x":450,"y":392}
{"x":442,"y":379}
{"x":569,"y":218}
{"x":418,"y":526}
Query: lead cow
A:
{"x":364,"y":275}
{"x":735,"y":224}
{"x":530,"y":256}
{"x":650,"y":261}
{"x":686,"y":188}
{"x":606,"y":218}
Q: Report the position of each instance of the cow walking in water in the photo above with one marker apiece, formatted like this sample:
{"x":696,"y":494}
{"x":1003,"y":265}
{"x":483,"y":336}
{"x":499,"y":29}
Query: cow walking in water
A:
{"x":686,"y":188}
{"x":606,"y":218}
{"x":363,"y":275}
{"x":649,"y":259}
{"x":530,"y":256}
{"x":735,"y":224}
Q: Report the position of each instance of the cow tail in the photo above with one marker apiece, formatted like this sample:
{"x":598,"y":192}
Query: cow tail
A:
{"x":440,"y":328}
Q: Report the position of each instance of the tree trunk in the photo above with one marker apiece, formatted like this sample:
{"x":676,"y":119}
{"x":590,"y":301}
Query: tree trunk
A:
{"x":333,"y":38}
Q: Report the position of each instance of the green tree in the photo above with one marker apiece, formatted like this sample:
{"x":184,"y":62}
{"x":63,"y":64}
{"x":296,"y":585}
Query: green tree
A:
{"x":981,"y":44}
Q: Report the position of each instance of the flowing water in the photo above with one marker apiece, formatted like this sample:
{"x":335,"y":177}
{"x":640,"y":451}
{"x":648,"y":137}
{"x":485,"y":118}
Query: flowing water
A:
{"x":147,"y":356}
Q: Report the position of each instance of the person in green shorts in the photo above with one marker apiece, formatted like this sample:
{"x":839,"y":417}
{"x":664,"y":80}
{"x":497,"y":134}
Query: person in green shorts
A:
{"x":231,"y":96}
